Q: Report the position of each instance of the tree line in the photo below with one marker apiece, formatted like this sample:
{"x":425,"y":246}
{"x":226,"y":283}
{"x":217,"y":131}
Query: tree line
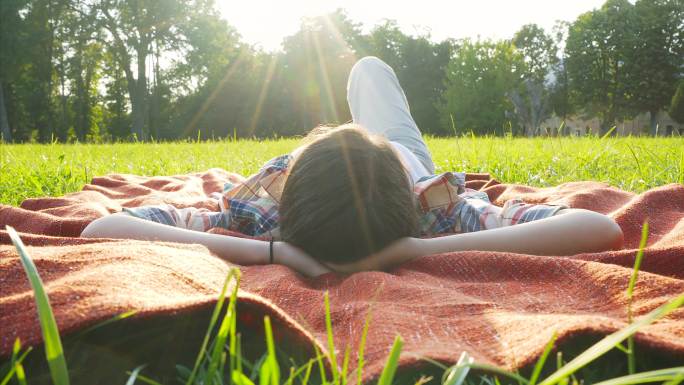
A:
{"x":106,"y":70}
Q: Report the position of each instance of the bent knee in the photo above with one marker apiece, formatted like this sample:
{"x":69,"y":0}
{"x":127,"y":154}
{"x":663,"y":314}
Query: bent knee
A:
{"x":370,"y":63}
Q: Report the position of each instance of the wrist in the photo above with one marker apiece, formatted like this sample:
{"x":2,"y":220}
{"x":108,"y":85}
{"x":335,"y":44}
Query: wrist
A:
{"x":271,"y":256}
{"x":282,"y":254}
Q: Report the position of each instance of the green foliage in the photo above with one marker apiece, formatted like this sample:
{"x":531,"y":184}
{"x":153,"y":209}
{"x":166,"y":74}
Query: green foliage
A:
{"x":109,"y":70}
{"x":420,"y":66}
{"x":677,"y":105}
{"x":538,"y":50}
{"x":479,"y":77}
{"x":610,"y":50}
{"x":596,"y":49}
{"x":530,"y":98}
{"x":655,"y":47}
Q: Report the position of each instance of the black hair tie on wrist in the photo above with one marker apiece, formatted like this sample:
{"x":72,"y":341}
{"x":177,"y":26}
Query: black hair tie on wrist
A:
{"x":270,"y":252}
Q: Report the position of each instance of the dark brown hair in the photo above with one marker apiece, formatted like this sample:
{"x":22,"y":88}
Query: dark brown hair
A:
{"x":347,"y":196}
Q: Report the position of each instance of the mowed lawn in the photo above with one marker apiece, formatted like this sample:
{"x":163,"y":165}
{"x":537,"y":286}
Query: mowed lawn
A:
{"x":634,"y":164}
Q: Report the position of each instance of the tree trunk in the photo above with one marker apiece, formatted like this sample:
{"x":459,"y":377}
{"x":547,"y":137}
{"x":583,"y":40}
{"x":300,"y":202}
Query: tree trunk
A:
{"x":5,"y":133}
{"x":86,"y":108}
{"x":155,"y":97}
{"x":130,"y":81}
{"x":42,"y":67}
{"x":607,"y":122}
{"x":654,"y":122}
{"x":62,"y":131}
{"x":139,"y":103}
{"x":78,"y":109}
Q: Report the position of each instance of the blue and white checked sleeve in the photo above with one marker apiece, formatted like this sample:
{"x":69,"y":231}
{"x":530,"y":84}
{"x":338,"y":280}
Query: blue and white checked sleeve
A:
{"x":190,"y":218}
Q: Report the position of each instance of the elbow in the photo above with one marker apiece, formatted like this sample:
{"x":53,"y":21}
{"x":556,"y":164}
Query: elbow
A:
{"x":605,"y":232}
{"x":612,"y":234}
{"x":102,"y":227}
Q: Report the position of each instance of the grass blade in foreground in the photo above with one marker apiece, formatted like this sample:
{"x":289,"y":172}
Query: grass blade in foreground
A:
{"x":269,"y":374}
{"x":48,"y":325}
{"x":631,"y":360}
{"x":16,"y":361}
{"x":106,"y":322}
{"x":134,"y":375}
{"x":491,"y":369}
{"x":456,"y":374}
{"x":390,"y":369}
{"x":610,"y":341}
{"x":362,"y":347}
{"x":212,"y":323}
{"x":540,"y":363}
{"x":331,"y":341}
{"x":644,"y":377}
{"x":215,"y":362}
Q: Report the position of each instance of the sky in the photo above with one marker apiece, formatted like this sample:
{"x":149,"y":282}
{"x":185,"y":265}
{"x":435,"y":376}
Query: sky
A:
{"x":266,"y":22}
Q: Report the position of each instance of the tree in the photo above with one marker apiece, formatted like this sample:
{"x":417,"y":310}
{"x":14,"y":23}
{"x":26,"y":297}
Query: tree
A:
{"x":11,"y":55}
{"x":530,"y":100}
{"x":478,"y":78}
{"x":215,"y":81}
{"x":530,"y":104}
{"x":316,"y":61}
{"x":386,"y":41}
{"x":420,"y":65}
{"x":76,"y":69}
{"x":83,"y":63}
{"x":134,"y":26}
{"x":596,"y":53}
{"x":653,"y":62}
{"x":559,"y":94}
{"x":538,"y":51}
{"x":676,"y":110}
{"x":422,"y":77}
{"x":116,"y":114}
{"x":42,"y":22}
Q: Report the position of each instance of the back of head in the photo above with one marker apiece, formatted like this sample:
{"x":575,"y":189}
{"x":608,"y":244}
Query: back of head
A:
{"x":347,"y":196}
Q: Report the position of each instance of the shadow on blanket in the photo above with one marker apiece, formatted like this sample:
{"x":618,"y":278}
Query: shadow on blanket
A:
{"x":502,"y":308}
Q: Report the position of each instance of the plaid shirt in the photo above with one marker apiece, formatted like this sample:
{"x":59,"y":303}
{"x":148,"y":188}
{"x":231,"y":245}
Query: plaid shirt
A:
{"x":251,"y":207}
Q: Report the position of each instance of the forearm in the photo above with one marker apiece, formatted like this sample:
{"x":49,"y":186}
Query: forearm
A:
{"x":572,"y":232}
{"x":242,"y":251}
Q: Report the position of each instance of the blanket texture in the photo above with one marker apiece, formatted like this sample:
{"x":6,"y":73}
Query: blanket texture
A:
{"x":502,"y":308}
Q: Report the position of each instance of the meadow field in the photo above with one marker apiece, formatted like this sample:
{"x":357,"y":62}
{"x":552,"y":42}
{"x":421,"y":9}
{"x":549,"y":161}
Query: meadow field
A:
{"x":632,"y":163}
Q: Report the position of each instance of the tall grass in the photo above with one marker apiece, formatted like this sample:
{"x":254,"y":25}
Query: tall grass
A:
{"x":32,"y":170}
{"x":220,"y":349}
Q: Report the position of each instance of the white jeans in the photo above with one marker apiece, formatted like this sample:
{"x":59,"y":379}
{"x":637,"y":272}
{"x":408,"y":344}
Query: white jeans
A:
{"x":378,"y":103}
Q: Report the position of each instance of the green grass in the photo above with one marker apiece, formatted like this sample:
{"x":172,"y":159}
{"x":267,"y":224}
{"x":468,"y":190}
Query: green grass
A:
{"x":634,"y":164}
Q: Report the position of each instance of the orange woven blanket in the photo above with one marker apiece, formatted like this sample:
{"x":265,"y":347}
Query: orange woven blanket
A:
{"x":501,"y":308}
